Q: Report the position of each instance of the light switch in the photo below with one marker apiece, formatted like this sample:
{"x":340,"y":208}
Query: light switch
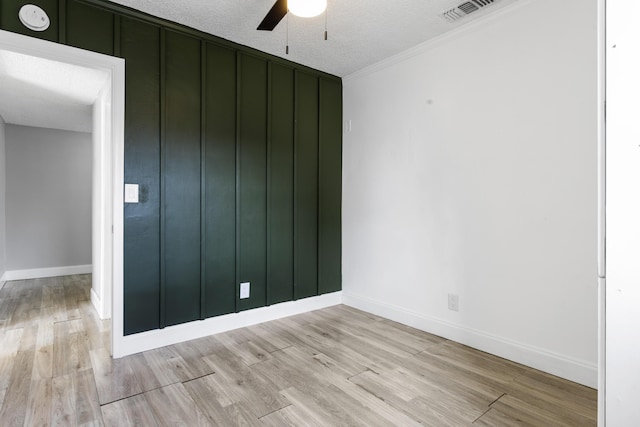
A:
{"x":131,"y":193}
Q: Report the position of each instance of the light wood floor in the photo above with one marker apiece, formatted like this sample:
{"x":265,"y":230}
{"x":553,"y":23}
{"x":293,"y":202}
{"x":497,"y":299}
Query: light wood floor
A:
{"x":337,"y":366}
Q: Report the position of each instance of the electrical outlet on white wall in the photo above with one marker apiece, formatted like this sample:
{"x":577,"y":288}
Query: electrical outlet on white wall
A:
{"x":245,"y":290}
{"x":454,"y":302}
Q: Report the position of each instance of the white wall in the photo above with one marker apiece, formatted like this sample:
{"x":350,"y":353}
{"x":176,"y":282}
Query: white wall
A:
{"x":3,"y":229}
{"x":623,"y":210}
{"x":48,"y":198}
{"x":471,"y":169}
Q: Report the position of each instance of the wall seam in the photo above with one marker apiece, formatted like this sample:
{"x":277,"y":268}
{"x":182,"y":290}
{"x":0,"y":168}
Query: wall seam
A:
{"x":203,"y":180}
{"x":163,"y":169}
{"x":295,"y":181}
{"x":238,"y":169}
{"x":318,"y":187}
{"x":62,"y":21}
{"x":268,"y":179}
{"x":117,"y":43}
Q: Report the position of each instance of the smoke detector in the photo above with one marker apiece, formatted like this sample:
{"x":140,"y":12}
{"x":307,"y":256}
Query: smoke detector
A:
{"x":34,"y":17}
{"x":465,"y":8}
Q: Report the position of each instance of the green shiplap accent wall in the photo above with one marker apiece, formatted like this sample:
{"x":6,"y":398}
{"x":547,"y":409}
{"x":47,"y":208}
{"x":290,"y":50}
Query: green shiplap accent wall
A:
{"x":220,"y":181}
{"x":251,"y":179}
{"x":330,"y":188}
{"x":181,"y":191}
{"x":140,"y":46}
{"x":280,"y":184}
{"x":238,"y":155}
{"x":89,"y":28}
{"x":306,"y":186}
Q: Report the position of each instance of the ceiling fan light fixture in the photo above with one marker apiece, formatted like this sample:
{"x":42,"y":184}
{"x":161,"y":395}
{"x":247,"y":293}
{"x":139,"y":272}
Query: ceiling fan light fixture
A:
{"x":307,"y":8}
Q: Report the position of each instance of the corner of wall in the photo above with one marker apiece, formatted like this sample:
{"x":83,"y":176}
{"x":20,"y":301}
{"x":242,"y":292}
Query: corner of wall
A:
{"x":3,"y":227}
{"x":579,"y":371}
{"x":99,"y":305}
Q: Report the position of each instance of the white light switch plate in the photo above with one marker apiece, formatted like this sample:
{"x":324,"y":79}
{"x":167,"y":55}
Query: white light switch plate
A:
{"x":131,"y":193}
{"x":245,"y":289}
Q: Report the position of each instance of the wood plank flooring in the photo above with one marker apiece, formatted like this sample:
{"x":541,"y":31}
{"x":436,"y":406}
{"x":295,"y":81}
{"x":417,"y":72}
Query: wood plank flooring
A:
{"x":331,"y":367}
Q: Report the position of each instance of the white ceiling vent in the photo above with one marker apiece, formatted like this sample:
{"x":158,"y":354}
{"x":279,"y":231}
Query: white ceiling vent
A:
{"x":466,"y":8}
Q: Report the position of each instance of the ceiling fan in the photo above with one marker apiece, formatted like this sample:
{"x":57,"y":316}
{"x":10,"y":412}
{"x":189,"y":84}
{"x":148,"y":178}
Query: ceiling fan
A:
{"x":302,"y":8}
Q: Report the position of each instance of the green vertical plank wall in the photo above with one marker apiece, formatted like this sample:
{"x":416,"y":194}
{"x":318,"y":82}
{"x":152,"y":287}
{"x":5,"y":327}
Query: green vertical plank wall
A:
{"x":237,"y":155}
{"x":181,"y":179}
{"x":89,"y":27}
{"x":140,"y":46}
{"x":330,"y":188}
{"x":280,"y":181}
{"x":251,"y":179}
{"x":220,"y":181}
{"x":306,"y":186}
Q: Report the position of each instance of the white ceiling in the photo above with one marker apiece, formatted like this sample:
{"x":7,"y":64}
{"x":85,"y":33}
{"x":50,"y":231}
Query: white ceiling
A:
{"x":361,"y":32}
{"x":42,"y":93}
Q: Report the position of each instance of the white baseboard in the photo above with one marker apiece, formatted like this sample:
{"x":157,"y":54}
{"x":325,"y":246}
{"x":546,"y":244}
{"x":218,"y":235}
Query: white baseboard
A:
{"x":38,"y":273}
{"x":579,"y":371}
{"x":144,"y":341}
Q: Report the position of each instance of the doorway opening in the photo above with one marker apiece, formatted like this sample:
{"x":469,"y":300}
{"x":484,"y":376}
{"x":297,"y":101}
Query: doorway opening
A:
{"x":32,"y":63}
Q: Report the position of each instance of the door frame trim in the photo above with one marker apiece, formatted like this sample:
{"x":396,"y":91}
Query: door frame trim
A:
{"x":107,"y":223}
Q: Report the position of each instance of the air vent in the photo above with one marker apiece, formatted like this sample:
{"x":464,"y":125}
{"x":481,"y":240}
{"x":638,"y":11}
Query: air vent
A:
{"x":466,"y":8}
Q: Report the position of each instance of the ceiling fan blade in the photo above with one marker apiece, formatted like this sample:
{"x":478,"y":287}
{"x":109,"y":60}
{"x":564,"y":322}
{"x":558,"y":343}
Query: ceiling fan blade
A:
{"x":275,"y":15}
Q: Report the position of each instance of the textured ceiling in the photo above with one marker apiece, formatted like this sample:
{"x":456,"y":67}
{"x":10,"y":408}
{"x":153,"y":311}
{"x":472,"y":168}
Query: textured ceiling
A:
{"x":361,"y":32}
{"x":42,"y":93}
{"x":35,"y":92}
